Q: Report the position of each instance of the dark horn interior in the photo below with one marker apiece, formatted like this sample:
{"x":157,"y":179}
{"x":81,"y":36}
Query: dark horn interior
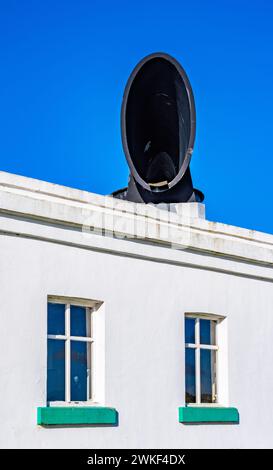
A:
{"x":157,"y":121}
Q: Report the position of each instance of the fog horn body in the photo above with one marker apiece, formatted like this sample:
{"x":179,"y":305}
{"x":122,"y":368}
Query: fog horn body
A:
{"x":158,"y":130}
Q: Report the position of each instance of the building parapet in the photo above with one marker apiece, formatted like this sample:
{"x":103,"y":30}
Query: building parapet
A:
{"x":179,"y":229}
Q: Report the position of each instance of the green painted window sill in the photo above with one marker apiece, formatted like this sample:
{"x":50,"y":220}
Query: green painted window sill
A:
{"x":196,"y":414}
{"x":61,"y":415}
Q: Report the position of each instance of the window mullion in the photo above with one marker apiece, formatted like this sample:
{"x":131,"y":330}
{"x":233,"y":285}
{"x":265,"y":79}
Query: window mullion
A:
{"x":67,"y":354}
{"x":83,"y":339}
{"x":197,"y":362}
{"x":211,"y":347}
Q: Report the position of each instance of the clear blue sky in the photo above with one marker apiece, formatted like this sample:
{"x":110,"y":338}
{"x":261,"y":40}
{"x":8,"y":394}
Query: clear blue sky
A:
{"x":64,"y":65}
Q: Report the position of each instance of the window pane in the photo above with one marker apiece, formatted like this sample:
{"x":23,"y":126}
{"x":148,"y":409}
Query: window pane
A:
{"x":189,"y":330}
{"x":80,"y":371}
{"x":190,"y":375}
{"x":55,"y":370}
{"x":55,"y":319}
{"x":80,"y":321}
{"x":207,"y":331}
{"x":208,"y":376}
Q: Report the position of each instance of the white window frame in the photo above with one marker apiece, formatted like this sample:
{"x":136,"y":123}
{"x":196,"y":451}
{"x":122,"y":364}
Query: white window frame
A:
{"x":220,"y":375}
{"x":95,"y":358}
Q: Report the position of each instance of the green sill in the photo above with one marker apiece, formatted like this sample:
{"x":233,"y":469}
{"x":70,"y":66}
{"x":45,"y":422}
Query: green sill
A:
{"x":196,"y":414}
{"x":58,"y":415}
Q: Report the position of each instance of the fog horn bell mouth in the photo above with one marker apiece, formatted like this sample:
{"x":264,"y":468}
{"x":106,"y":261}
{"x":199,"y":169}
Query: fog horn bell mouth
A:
{"x":158,"y":125}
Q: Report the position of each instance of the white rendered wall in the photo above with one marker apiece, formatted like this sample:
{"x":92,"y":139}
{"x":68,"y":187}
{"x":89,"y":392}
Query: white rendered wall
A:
{"x":144,"y":300}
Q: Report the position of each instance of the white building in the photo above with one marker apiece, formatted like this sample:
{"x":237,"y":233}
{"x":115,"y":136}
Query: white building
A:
{"x":123,"y":280}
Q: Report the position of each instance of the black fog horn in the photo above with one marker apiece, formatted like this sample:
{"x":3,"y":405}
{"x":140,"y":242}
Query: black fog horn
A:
{"x":158,"y":125}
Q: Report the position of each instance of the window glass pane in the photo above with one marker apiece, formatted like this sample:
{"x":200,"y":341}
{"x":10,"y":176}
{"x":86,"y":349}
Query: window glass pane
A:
{"x":207,"y":331}
{"x":208,"y":376}
{"x":80,"y":321}
{"x":190,"y":375}
{"x":55,"y":370}
{"x":80,"y":371}
{"x":189,"y":330}
{"x":55,"y":319}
